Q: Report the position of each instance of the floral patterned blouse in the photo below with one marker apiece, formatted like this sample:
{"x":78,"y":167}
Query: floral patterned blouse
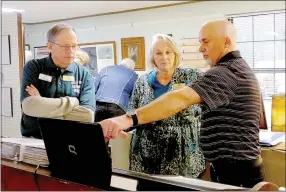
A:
{"x":169,"y":146}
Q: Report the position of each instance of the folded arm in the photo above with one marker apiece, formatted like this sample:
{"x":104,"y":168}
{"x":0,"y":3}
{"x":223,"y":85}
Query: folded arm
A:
{"x":80,"y":113}
{"x":37,"y":106}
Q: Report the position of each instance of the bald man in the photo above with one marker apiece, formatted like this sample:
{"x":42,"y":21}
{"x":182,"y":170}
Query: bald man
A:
{"x":113,"y":88}
{"x":230,"y":98}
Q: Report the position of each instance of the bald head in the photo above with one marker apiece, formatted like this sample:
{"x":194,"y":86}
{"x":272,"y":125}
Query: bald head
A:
{"x":221,"y":28}
{"x":217,"y":37}
{"x":129,"y":63}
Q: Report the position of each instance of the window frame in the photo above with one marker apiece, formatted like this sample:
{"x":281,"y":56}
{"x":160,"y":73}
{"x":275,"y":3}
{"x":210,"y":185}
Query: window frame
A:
{"x":274,"y":70}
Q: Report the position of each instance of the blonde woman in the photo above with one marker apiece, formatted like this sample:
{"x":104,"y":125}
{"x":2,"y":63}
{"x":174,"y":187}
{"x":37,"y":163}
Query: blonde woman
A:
{"x":81,"y":57}
{"x":169,"y":146}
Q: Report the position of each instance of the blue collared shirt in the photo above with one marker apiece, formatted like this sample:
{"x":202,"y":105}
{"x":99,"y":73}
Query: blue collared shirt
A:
{"x":74,"y":81}
{"x":114,"y":84}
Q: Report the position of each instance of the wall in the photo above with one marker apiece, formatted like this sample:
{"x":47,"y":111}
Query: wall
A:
{"x":181,"y":21}
{"x":11,"y":125}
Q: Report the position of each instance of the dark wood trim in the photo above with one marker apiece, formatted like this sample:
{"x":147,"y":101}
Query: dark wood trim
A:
{"x":26,"y":167}
{"x":18,"y":176}
{"x":21,"y":45}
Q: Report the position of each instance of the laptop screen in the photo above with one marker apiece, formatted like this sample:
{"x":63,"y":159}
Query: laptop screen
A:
{"x":262,"y":122}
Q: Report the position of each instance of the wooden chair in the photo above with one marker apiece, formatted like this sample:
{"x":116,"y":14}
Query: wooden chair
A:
{"x":265,"y":186}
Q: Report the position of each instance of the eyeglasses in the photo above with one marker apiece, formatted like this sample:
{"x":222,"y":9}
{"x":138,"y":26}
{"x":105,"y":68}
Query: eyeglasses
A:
{"x":67,"y":47}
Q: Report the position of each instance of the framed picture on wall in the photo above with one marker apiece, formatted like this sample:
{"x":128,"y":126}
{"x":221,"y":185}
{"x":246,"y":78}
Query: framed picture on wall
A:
{"x":101,"y":54}
{"x":27,"y":47}
{"x":41,"y":52}
{"x":134,"y":47}
{"x":7,"y":102}
{"x":6,"y":50}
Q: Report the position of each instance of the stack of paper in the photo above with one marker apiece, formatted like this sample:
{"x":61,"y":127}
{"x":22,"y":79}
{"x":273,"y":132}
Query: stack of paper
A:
{"x":30,"y":151}
{"x":35,"y":155}
{"x":10,"y":151}
{"x":268,"y":139}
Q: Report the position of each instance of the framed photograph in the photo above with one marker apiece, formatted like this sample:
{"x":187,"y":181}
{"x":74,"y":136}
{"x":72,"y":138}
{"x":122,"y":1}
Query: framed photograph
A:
{"x":6,"y":50}
{"x":134,"y":47}
{"x":7,"y":102}
{"x":41,"y":52}
{"x":27,"y":47}
{"x":101,"y":54}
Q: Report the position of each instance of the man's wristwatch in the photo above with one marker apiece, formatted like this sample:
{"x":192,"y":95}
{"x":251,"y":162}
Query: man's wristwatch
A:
{"x":133,"y":115}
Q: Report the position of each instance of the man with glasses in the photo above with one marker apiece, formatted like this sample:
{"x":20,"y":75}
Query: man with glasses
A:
{"x":56,"y":86}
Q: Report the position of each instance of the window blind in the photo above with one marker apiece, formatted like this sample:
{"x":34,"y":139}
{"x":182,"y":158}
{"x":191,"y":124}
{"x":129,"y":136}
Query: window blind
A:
{"x":261,"y":41}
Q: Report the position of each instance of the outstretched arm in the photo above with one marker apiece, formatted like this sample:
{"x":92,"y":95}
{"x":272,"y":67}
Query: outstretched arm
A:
{"x":165,"y":106}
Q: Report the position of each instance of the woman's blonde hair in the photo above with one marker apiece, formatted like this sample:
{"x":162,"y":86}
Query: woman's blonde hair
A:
{"x":171,"y":43}
{"x":81,"y":57}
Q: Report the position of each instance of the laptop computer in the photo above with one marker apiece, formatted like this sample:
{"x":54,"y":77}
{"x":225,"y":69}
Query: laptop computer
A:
{"x":262,"y":122}
{"x":77,"y":151}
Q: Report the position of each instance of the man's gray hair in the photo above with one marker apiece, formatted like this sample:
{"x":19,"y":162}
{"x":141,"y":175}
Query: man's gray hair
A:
{"x":56,"y":29}
{"x":129,"y":63}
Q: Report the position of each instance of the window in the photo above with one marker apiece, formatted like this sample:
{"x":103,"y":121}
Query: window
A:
{"x":261,"y":41}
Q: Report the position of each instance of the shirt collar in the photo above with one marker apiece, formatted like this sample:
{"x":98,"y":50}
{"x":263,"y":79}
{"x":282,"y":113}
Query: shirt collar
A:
{"x":52,"y":65}
{"x":229,"y":56}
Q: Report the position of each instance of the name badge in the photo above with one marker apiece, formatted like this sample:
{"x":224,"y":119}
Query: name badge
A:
{"x":178,"y":86}
{"x":45,"y":77}
{"x":68,"y":78}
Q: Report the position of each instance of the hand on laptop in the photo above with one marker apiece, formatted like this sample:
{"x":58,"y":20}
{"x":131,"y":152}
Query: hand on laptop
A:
{"x":32,"y":91}
{"x":114,"y":127}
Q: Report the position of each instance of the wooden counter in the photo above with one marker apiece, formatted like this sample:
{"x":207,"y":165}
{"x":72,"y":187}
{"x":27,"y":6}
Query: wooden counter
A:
{"x":21,"y":177}
{"x":274,"y":159}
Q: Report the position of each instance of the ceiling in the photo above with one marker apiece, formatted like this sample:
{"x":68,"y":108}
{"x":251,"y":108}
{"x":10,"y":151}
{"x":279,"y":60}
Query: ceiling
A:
{"x":44,"y":11}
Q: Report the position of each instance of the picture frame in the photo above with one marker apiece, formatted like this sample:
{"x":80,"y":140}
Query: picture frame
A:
{"x":7,"y":102}
{"x":134,"y":47}
{"x":27,"y":47}
{"x":6,"y":50}
{"x":41,"y":52}
{"x":101,"y":54}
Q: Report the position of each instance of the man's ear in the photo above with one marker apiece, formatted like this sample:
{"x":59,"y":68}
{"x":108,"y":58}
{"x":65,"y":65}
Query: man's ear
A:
{"x":227,"y":42}
{"x":49,"y":46}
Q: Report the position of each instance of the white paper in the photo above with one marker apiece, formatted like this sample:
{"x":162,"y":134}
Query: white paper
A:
{"x":39,"y":143}
{"x":198,"y":182}
{"x":193,"y":63}
{"x":31,"y":151}
{"x":192,"y":56}
{"x":190,"y":49}
{"x":272,"y":138}
{"x":123,"y":183}
{"x":191,"y":42}
{"x":105,"y":56}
